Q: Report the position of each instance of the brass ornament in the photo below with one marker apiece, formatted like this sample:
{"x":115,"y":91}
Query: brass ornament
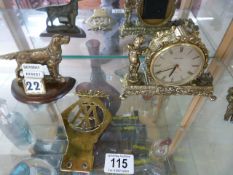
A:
{"x":85,"y":121}
{"x":49,"y":56}
{"x":135,"y":51}
{"x":229,"y":112}
{"x":145,"y":26}
{"x":66,"y":15}
{"x":150,"y":90}
{"x":100,"y":20}
{"x":182,"y":35}
{"x":198,"y":84}
{"x":37,"y":74}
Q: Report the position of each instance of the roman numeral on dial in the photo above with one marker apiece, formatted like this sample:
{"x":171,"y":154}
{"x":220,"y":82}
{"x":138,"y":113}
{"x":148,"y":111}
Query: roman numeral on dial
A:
{"x":171,"y":52}
{"x":181,"y":49}
{"x":196,"y":57}
{"x":189,"y":52}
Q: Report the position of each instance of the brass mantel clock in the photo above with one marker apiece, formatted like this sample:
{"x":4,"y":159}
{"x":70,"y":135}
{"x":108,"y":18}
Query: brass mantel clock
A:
{"x":184,"y":62}
{"x":151,"y":16}
{"x":175,"y":64}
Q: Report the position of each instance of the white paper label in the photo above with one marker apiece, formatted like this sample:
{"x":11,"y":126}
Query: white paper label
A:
{"x":114,"y":11}
{"x":119,"y":164}
{"x":34,"y":86}
{"x":35,"y":68}
{"x":33,"y":74}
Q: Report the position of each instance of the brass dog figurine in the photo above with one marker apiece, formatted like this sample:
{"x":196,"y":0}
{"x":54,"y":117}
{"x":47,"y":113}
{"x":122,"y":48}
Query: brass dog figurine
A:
{"x":68,"y":11}
{"x":50,"y":56}
{"x":66,"y":16}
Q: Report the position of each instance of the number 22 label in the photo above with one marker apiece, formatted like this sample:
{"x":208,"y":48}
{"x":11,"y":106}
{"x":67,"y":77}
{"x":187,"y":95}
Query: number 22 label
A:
{"x":34,"y":86}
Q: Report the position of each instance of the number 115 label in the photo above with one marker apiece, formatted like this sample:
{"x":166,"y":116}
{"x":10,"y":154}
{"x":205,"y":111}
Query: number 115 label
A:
{"x":119,"y":164}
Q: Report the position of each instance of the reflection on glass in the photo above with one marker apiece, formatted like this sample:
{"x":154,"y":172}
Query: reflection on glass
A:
{"x":15,"y":127}
{"x":56,"y":146}
{"x":213,"y":17}
{"x":111,"y":37}
{"x":17,"y":130}
{"x":149,"y":169}
{"x":33,"y":167}
{"x":98,"y":79}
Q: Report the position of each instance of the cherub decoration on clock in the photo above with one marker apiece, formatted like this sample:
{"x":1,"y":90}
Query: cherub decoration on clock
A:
{"x":135,"y":51}
{"x":175,"y":64}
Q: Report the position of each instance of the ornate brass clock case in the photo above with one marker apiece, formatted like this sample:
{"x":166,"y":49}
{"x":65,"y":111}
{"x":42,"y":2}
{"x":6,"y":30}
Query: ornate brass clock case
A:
{"x":172,"y":43}
{"x":186,"y":75}
{"x":85,"y":121}
{"x":148,"y":20}
{"x":229,"y":112}
{"x":184,"y":38}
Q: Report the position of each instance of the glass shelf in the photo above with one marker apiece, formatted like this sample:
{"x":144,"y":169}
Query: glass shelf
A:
{"x":159,"y":122}
{"x":133,"y":127}
{"x":207,"y":147}
{"x":32,"y":23}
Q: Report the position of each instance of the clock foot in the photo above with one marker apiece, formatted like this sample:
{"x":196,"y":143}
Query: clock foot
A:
{"x":139,"y":80}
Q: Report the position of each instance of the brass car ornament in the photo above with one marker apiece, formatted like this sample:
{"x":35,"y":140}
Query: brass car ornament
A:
{"x":37,"y":74}
{"x":100,"y":20}
{"x":66,"y":15}
{"x":85,"y":121}
{"x":151,"y":16}
{"x":229,"y":112}
{"x":175,"y":64}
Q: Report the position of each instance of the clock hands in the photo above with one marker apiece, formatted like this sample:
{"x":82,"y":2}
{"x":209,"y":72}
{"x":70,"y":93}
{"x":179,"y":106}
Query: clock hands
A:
{"x":173,"y":70}
{"x":160,"y":71}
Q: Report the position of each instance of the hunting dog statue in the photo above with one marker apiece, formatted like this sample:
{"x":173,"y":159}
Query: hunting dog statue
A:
{"x":66,"y":14}
{"x":50,"y":56}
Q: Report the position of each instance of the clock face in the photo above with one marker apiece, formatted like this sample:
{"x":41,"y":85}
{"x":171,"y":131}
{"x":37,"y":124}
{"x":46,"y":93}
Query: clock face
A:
{"x":177,"y":64}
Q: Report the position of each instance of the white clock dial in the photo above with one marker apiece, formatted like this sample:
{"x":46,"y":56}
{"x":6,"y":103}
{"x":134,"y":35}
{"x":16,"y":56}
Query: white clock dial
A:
{"x":177,"y":64}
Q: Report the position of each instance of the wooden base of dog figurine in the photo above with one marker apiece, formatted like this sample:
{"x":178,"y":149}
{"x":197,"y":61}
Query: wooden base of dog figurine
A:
{"x":54,"y":91}
{"x":72,"y":32}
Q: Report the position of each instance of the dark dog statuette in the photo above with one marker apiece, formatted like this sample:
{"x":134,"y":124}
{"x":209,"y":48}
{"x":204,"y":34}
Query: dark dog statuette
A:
{"x":229,"y":113}
{"x":66,"y":15}
{"x":50,"y":57}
